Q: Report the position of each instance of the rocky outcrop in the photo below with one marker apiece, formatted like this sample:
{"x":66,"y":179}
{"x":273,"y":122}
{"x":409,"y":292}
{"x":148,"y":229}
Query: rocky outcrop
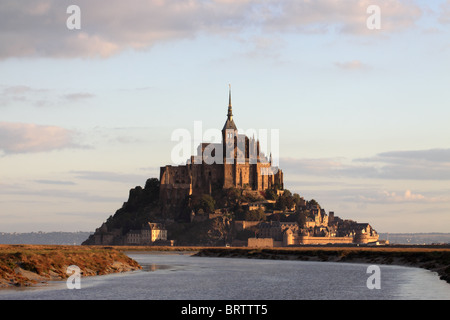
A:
{"x":210,"y":232}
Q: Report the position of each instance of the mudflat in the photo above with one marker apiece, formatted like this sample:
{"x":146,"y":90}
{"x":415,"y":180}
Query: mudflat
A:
{"x":26,"y":265}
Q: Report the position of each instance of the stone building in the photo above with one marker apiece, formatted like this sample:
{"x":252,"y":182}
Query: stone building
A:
{"x":318,"y":229}
{"x":147,"y":235}
{"x":235,"y":162}
{"x":103,"y":236}
{"x":276,"y":229}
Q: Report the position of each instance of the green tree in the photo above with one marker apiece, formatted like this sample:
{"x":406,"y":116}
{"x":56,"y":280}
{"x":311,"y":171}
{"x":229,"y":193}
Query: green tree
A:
{"x":298,"y":200}
{"x":233,"y":196}
{"x":300,"y":216}
{"x":312,"y":202}
{"x":285,"y":201}
{"x":255,"y":215}
{"x":271,"y":194}
{"x":205,"y":203}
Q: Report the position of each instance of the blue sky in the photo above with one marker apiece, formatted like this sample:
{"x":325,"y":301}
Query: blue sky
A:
{"x":88,"y":114}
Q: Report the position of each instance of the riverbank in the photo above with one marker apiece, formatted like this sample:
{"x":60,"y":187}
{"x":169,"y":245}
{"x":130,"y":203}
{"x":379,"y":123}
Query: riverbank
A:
{"x":26,"y":265}
{"x":433,"y":259}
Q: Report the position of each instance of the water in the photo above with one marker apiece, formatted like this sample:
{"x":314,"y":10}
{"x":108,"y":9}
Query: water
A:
{"x":184,"y":277}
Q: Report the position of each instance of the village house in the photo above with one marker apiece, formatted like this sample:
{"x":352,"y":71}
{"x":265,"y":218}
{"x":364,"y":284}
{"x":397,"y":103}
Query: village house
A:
{"x":147,"y":235}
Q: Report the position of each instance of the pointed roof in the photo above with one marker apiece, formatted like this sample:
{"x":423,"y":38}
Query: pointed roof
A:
{"x":229,"y":124}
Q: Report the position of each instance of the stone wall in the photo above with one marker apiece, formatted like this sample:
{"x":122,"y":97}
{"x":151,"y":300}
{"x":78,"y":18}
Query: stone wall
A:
{"x":324,"y":240}
{"x":260,"y":243}
{"x":242,"y":225}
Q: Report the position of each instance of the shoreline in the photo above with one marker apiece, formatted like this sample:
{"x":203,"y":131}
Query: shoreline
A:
{"x":430,"y":257}
{"x":34,"y":265}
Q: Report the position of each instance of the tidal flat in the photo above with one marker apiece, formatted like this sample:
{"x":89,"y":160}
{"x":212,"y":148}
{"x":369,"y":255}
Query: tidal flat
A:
{"x":27,"y":265}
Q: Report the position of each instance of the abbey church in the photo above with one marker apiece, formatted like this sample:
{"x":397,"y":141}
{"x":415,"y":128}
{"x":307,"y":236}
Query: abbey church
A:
{"x":235,"y":162}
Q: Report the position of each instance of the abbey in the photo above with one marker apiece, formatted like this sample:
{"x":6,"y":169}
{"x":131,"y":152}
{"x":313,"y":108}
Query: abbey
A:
{"x":236,"y":162}
{"x":224,"y":195}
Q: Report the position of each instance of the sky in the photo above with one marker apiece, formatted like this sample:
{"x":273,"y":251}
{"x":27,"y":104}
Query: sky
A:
{"x":89,"y":100}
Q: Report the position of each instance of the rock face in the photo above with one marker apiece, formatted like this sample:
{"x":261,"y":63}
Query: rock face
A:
{"x":209,"y":232}
{"x":141,"y":207}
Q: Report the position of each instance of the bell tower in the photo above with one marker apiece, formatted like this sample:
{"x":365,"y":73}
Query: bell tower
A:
{"x":229,"y":132}
{"x":229,"y":143}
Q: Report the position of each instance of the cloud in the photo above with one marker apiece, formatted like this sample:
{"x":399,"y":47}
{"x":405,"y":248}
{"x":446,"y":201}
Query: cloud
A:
{"x":407,"y":196}
{"x":32,"y":29}
{"x":39,"y":97}
{"x":109,"y":176}
{"x":27,"y":138}
{"x":433,"y":164}
{"x":17,"y":90}
{"x":55,"y":182}
{"x":326,"y":167}
{"x":83,"y":196}
{"x":22,"y":93}
{"x":445,"y":13}
{"x":431,"y":155}
{"x":348,"y":17}
{"x":350,"y":65}
{"x":78,"y":96}
{"x":38,"y":29}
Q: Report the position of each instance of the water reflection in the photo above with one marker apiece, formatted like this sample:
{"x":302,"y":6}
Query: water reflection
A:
{"x":153,"y":267}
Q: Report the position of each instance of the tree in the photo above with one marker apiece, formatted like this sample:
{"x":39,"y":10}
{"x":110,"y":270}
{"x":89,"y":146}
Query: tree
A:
{"x":301,"y":217}
{"x":285,"y":201}
{"x":233,"y":196}
{"x":255,"y":215}
{"x":271,"y":194}
{"x":312,"y":203}
{"x":298,"y":200}
{"x":205,"y":203}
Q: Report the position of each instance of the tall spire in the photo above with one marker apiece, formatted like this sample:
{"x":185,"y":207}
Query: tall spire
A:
{"x":230,"y":112}
{"x":229,"y":124}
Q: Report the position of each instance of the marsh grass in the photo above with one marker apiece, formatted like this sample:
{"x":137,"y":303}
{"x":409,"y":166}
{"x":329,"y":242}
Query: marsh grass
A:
{"x":50,"y":262}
